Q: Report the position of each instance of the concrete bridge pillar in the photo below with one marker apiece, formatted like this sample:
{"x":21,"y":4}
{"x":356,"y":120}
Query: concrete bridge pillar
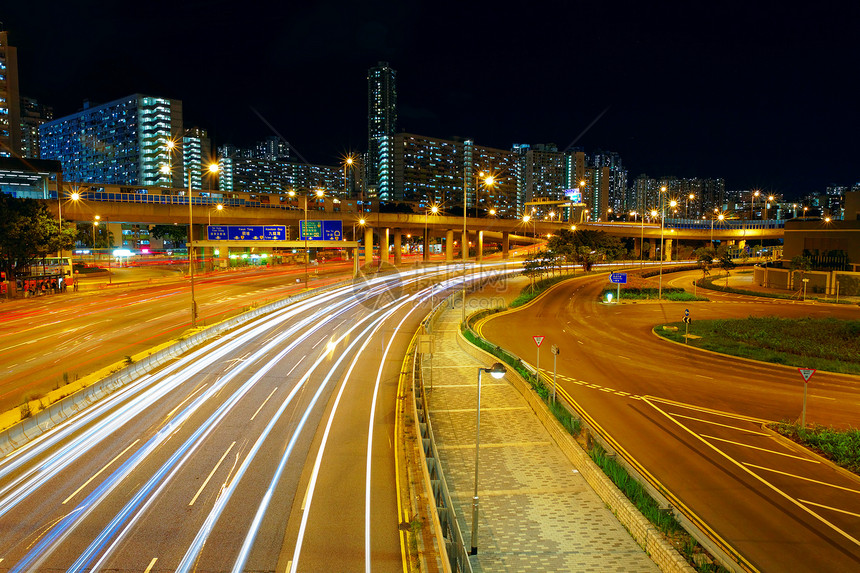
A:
{"x":425,"y":246}
{"x":398,"y":247}
{"x":368,"y":246}
{"x":506,"y":244}
{"x":668,"y":251}
{"x":383,"y":245}
{"x":637,"y":247}
{"x":449,"y":245}
{"x":480,"y":247}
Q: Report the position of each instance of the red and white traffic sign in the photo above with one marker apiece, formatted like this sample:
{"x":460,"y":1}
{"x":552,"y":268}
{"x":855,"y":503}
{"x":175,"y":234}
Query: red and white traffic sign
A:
{"x":806,"y":373}
{"x":538,"y":340}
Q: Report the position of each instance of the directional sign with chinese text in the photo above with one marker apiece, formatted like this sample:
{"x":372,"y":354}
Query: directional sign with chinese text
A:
{"x":538,"y":340}
{"x":246,"y":232}
{"x":618,"y":278}
{"x":320,"y":230}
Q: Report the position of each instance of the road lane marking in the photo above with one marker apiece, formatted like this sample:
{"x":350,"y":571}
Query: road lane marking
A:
{"x":804,"y":479}
{"x":267,"y":399}
{"x":318,"y":343}
{"x":830,"y":508}
{"x":209,"y":477}
{"x":300,"y":360}
{"x":703,"y":376}
{"x":722,"y":425}
{"x":743,"y":466}
{"x":151,"y":565}
{"x":119,"y":455}
{"x":741,"y":444}
{"x":708,"y":410}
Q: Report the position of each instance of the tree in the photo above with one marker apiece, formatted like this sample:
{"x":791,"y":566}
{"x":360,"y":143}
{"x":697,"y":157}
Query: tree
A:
{"x":86,"y":232}
{"x":28,"y":232}
{"x":174,"y":233}
{"x":705,"y":257}
{"x":586,"y":247}
{"x":726,"y":263}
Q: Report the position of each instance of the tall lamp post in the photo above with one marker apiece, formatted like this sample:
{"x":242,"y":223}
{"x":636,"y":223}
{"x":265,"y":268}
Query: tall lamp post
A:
{"x":318,"y":193}
{"x":433,"y":209}
{"x":497,"y":371}
{"x":191,"y":254}
{"x":95,"y":224}
{"x":672,"y":204}
{"x":719,"y":217}
{"x":752,"y":203}
{"x":691,"y":196}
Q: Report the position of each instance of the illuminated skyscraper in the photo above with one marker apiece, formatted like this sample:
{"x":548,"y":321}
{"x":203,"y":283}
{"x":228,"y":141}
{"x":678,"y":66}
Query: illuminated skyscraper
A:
{"x":124,"y":141}
{"x":381,"y":121}
{"x":10,"y":110}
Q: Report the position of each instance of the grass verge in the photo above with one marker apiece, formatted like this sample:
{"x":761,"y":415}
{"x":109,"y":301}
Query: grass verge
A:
{"x":842,"y":447}
{"x":710,"y":284}
{"x":821,"y":343}
{"x":669,"y":293}
{"x":532,"y":292}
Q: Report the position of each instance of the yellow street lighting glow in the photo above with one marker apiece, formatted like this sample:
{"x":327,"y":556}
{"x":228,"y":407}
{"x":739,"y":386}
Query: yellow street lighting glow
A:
{"x":721,"y":217}
{"x":673,"y":203}
{"x":330,"y":346}
{"x":434,"y":209}
{"x":573,"y":227}
{"x":75,"y":196}
{"x":526,"y":218}
{"x":653,"y":213}
{"x":165,"y":169}
{"x":291,"y":193}
{"x":219,"y":206}
{"x":490,"y":180}
{"x":361,"y":221}
{"x":214,"y":168}
{"x":320,"y":192}
{"x":492,"y":211}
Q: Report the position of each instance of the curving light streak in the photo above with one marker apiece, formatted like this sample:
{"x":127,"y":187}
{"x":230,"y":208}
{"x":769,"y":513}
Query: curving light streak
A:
{"x":190,"y":557}
{"x":131,"y":400}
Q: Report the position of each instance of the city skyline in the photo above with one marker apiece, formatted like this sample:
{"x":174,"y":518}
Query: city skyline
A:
{"x":672,"y":93}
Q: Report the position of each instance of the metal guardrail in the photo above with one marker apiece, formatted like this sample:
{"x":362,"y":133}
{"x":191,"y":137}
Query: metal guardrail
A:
{"x":30,"y":428}
{"x":454,"y":542}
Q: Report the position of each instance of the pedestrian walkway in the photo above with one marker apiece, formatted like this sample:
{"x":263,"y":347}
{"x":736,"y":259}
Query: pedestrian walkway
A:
{"x":537,"y":513}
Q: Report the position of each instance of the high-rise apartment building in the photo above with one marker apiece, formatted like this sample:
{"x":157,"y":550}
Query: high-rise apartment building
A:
{"x":250,"y":171}
{"x":10,"y":110}
{"x":381,"y":125}
{"x":197,"y":151}
{"x":33,"y":116}
{"x":125,"y":141}
{"x":617,"y":183}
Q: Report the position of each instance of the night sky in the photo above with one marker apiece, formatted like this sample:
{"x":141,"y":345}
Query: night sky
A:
{"x":764,"y":96}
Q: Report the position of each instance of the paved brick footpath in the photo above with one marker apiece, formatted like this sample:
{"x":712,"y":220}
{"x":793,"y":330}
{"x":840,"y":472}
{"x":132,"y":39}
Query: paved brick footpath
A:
{"x":536,"y":512}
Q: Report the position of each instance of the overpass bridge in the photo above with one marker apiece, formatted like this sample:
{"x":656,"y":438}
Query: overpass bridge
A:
{"x":150,"y":209}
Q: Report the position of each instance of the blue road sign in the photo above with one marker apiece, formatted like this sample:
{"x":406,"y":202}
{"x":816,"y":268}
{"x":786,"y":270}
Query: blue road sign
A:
{"x":686,"y":312}
{"x":618,"y":278}
{"x":217,"y":232}
{"x":246,"y":232}
{"x":320,"y":230}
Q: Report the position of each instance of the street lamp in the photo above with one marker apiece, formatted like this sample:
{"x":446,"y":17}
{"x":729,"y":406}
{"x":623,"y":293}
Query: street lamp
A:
{"x":488,"y":181}
{"x":752,"y":204}
{"x":691,"y":196}
{"x":318,"y":193}
{"x":191,"y":254}
{"x":433,"y":209}
{"x":720,"y":217}
{"x":347,"y":164}
{"x":218,"y":207}
{"x":662,"y":241}
{"x":95,"y":224}
{"x":497,"y":371}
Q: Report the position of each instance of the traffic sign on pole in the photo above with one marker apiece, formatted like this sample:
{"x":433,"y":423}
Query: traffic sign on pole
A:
{"x":806,"y":373}
{"x":538,"y":340}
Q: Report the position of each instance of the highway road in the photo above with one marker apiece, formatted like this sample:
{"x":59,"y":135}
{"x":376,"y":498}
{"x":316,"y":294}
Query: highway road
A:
{"x":269,"y":448}
{"x":694,"y":419}
{"x":52,"y":339}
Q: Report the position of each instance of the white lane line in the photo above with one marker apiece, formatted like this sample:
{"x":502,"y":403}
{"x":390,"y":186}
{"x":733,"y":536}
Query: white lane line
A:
{"x":741,"y":444}
{"x":321,"y":341}
{"x":95,"y":475}
{"x":701,"y":375}
{"x":266,"y":400}
{"x":721,"y":425}
{"x":152,"y":563}
{"x":829,"y":507}
{"x":302,"y":358}
{"x":802,"y":478}
{"x":209,"y":477}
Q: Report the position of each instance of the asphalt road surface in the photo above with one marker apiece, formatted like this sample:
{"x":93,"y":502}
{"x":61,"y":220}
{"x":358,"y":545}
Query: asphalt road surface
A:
{"x":694,"y":420}
{"x":269,"y":448}
{"x":51,"y":340}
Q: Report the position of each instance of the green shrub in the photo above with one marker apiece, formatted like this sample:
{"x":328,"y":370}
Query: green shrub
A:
{"x":842,"y":447}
